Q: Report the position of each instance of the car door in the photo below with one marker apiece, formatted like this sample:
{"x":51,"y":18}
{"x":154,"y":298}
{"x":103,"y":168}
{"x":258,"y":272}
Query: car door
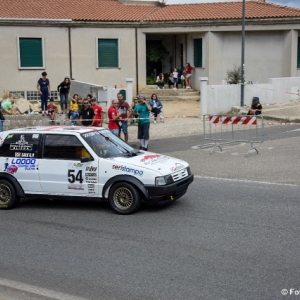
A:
{"x":20,"y":153}
{"x":61,"y":171}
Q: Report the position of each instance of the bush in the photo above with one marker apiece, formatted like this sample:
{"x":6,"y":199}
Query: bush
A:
{"x":234,"y":76}
{"x":151,"y":81}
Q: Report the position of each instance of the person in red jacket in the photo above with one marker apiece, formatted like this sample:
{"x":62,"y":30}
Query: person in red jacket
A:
{"x":188,"y":71}
{"x":98,"y":112}
{"x":113,"y":115}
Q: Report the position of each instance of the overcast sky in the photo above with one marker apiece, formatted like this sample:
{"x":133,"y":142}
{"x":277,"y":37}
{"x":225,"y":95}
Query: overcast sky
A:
{"x":292,"y":3}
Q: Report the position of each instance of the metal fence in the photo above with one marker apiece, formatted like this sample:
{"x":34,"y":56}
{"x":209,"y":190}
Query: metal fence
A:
{"x":226,"y":129}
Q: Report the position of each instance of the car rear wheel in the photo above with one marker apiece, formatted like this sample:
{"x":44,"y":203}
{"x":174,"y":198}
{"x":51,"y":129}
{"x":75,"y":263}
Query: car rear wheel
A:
{"x":124,"y":198}
{"x":8,"y":198}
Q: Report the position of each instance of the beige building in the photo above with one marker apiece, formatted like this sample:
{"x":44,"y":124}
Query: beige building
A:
{"x":106,"y":41}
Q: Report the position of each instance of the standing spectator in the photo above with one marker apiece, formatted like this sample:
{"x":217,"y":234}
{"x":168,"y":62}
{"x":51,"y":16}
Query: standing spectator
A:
{"x":89,"y":98}
{"x":141,"y":111}
{"x":43,"y":87}
{"x":2,"y":119}
{"x":98,"y":113}
{"x":160,"y":81}
{"x":125,"y":110}
{"x":171,"y":81}
{"x":113,"y":115}
{"x":51,"y":109}
{"x":87,"y":115}
{"x":188,"y":70}
{"x":63,"y":91}
{"x":133,"y":104}
{"x":156,"y":106}
{"x":175,"y":79}
{"x":74,"y":109}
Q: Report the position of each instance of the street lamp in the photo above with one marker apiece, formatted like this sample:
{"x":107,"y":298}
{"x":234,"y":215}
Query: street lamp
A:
{"x":243,"y":54}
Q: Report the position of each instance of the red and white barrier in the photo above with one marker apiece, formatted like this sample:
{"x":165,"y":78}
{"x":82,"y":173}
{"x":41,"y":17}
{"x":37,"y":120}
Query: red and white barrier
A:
{"x":235,"y":120}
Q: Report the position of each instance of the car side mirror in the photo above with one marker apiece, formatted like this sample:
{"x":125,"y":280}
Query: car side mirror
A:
{"x":86,"y":159}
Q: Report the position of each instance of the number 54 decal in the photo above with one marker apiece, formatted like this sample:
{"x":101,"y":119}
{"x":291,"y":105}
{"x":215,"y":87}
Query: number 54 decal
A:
{"x":72,"y":177}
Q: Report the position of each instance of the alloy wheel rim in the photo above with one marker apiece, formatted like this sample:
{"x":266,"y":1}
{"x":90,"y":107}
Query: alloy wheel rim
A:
{"x":123,"y":198}
{"x":5,"y":194}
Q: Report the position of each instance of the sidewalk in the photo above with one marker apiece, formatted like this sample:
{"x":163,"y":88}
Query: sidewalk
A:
{"x":283,"y":112}
{"x":180,"y":126}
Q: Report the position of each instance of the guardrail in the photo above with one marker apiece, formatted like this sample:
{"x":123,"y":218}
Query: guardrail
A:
{"x":226,"y":129}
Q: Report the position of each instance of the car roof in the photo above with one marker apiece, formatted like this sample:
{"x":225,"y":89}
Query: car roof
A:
{"x":56,"y":129}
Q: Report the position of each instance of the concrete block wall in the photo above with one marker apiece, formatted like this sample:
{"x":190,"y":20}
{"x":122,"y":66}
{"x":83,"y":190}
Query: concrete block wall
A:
{"x":83,"y":88}
{"x":219,"y":99}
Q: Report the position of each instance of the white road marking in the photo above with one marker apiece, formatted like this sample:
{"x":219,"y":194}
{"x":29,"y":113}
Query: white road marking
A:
{"x":37,"y":290}
{"x":241,"y":180}
{"x":293,"y":130}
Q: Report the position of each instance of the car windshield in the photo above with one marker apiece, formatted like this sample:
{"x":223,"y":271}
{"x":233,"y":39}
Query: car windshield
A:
{"x":105,"y":144}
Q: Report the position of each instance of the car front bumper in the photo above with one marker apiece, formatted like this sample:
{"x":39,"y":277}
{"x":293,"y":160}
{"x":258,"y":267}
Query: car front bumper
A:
{"x":168,"y":193}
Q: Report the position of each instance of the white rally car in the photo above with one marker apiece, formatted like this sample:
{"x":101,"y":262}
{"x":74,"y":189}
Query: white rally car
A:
{"x":86,"y":162}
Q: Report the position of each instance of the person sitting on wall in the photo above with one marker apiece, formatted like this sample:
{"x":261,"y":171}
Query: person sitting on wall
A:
{"x":160,"y":81}
{"x":256,"y":107}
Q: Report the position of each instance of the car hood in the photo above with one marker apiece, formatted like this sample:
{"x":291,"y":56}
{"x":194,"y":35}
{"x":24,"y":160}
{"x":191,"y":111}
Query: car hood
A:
{"x":153,"y":161}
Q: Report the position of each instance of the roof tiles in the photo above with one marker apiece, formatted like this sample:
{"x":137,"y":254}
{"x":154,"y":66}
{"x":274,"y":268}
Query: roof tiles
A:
{"x":113,"y":11}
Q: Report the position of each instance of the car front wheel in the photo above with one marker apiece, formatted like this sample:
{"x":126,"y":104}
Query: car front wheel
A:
{"x":8,"y":198}
{"x":124,"y":198}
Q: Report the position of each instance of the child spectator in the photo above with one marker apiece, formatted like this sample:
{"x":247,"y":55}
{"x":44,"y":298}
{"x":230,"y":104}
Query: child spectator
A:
{"x":74,"y":109}
{"x":182,"y":78}
{"x":175,"y":79}
{"x":51,"y":107}
{"x":170,"y":82}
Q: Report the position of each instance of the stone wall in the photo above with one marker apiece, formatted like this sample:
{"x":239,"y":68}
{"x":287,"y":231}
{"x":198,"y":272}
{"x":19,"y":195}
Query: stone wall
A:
{"x":20,"y":121}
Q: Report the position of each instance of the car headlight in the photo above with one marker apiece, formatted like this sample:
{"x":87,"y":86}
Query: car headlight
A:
{"x":189,"y":170}
{"x":163,"y":180}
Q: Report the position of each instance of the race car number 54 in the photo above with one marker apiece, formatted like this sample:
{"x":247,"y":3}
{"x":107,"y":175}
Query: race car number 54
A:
{"x":72,"y":177}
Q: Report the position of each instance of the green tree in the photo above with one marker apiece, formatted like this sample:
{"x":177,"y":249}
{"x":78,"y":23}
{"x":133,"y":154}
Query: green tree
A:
{"x":156,"y":52}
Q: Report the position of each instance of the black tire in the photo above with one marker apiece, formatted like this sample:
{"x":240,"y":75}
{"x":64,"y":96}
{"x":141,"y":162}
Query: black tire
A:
{"x":8,"y":197}
{"x":124,"y":198}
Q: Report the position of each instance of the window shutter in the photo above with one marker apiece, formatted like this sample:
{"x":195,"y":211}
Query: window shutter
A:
{"x":298,"y":57}
{"x":108,"y":53}
{"x":198,"y":52}
{"x":31,"y":52}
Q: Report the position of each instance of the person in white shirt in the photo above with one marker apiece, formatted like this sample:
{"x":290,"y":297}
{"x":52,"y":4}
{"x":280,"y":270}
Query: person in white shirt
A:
{"x":175,"y":79}
{"x":183,"y":79}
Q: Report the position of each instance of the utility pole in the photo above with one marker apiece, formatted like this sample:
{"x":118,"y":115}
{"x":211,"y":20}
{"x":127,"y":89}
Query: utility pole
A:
{"x":243,"y":54}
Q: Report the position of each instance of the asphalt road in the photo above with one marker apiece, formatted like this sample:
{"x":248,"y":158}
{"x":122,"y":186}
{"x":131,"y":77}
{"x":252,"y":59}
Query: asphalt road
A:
{"x":234,"y":235}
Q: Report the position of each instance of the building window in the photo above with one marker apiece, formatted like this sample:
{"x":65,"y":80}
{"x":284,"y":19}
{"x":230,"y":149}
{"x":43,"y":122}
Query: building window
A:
{"x":298,"y":57}
{"x":198,"y":53}
{"x":31,"y":53}
{"x":32,"y":95}
{"x":108,"y":53}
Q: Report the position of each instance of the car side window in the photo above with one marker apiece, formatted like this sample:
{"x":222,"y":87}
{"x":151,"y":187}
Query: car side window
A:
{"x":67,"y":147}
{"x":20,"y":145}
